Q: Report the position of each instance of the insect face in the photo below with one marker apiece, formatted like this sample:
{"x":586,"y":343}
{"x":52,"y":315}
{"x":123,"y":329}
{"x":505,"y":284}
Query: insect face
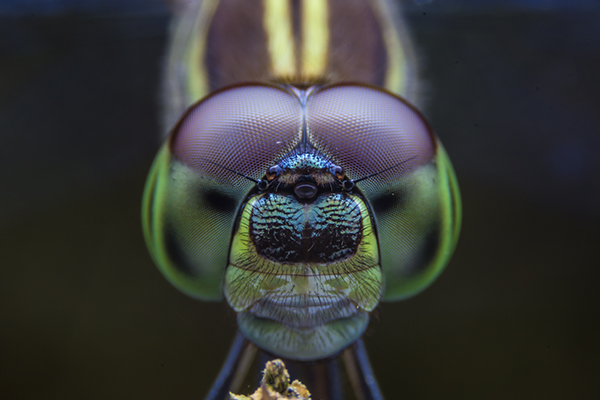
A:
{"x":304,"y":208}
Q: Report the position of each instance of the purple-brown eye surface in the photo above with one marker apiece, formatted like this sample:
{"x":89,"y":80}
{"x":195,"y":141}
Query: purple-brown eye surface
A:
{"x":244,"y":128}
{"x":366,"y":130}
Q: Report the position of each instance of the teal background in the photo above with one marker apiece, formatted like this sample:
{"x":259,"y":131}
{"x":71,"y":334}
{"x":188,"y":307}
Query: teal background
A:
{"x":514,"y":94}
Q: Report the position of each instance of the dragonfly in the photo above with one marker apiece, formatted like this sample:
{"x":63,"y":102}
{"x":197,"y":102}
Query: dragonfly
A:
{"x":297,"y":181}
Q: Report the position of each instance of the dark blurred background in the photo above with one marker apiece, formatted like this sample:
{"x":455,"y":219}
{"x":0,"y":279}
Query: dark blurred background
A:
{"x":513,"y":90}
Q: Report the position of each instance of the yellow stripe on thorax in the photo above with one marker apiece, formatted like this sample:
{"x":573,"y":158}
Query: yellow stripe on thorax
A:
{"x":280,"y":37}
{"x":396,"y":71}
{"x":197,"y":75}
{"x":315,"y":37}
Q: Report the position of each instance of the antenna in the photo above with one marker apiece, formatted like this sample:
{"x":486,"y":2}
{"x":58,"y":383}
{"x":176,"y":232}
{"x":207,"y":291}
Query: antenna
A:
{"x":384,"y":170}
{"x":257,"y":181}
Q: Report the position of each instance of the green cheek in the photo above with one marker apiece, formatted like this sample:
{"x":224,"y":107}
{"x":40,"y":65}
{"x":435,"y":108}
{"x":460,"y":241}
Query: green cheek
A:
{"x":187,"y":236}
{"x":419,"y":231}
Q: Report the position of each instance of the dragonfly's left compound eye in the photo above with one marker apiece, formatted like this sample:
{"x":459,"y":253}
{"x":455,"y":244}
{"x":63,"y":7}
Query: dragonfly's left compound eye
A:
{"x":195,"y":186}
{"x":388,"y":150}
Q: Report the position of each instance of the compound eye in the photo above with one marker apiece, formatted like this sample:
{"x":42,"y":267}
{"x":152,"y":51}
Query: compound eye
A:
{"x":365,"y":131}
{"x":244,"y":129}
{"x":388,"y":150}
{"x":305,"y":190}
{"x":200,"y":179}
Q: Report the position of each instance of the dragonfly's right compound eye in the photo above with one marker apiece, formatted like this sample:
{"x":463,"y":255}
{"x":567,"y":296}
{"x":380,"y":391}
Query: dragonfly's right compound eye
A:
{"x":192,"y":194}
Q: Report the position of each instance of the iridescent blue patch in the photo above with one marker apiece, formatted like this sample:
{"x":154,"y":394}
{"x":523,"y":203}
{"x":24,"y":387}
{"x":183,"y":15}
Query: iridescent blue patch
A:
{"x":306,"y":160}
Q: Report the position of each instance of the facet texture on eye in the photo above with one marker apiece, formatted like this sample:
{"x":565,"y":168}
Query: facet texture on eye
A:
{"x":246,"y":129}
{"x":367,"y":130}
